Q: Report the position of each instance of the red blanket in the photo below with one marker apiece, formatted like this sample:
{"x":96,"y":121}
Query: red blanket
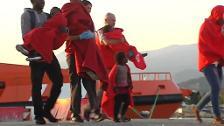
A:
{"x":137,"y":58}
{"x":107,"y":54}
{"x":47,"y":38}
{"x":108,"y":96}
{"x":211,"y":41}
{"x":86,"y":52}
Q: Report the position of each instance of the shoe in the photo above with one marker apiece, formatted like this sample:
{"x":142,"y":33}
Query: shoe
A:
{"x":218,"y":120}
{"x":197,"y":114}
{"x":100,"y":118}
{"x":77,"y":119}
{"x":50,"y":117}
{"x":117,"y":120}
{"x":36,"y":58}
{"x":22,"y":49}
{"x":125,"y":119}
{"x":144,"y":54}
{"x":39,"y":120}
{"x":96,"y":117}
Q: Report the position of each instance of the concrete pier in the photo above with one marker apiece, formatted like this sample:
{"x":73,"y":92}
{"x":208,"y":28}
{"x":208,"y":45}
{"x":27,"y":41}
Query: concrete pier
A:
{"x":135,"y":122}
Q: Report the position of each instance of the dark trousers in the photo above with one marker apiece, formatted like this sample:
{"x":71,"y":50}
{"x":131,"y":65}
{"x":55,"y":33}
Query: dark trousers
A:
{"x":214,"y":77}
{"x":53,"y":71}
{"x":88,"y":84}
{"x":75,"y":85}
{"x":122,"y":102}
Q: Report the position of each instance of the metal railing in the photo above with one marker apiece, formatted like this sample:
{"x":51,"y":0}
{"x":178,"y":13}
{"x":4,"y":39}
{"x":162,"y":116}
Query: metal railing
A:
{"x":151,"y":76}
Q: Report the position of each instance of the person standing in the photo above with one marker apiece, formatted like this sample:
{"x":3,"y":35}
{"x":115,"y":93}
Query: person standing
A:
{"x":121,"y":84}
{"x":111,"y":41}
{"x":30,"y":19}
{"x":81,"y":46}
{"x":211,"y":55}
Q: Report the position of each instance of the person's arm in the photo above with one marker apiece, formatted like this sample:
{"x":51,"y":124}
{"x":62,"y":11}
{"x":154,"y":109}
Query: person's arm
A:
{"x":212,"y":41}
{"x":85,"y":35}
{"x":105,"y":41}
{"x":25,"y":23}
{"x":73,"y":37}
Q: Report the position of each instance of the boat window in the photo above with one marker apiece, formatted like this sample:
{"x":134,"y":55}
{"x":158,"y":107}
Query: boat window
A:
{"x":2,"y":84}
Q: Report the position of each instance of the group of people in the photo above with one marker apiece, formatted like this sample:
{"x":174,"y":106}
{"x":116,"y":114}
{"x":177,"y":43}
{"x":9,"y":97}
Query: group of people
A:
{"x":90,"y":56}
{"x":103,"y":56}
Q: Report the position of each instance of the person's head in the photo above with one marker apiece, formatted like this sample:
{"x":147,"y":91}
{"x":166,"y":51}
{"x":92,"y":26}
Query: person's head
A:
{"x":217,"y":14}
{"x":110,"y":19}
{"x":121,"y":58}
{"x":75,"y":1}
{"x":87,"y":5}
{"x":38,"y":4}
{"x":54,"y":11}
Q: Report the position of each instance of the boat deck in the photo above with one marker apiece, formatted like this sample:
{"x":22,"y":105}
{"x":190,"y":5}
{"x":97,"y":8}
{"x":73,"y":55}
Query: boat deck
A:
{"x":135,"y":122}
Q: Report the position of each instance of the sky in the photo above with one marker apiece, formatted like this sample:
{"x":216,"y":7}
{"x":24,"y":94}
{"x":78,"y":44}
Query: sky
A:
{"x":148,"y":24}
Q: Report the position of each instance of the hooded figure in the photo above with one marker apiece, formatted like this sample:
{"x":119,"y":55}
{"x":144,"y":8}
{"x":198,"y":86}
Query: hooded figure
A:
{"x":86,"y":52}
{"x":211,"y":54}
{"x":211,"y":40}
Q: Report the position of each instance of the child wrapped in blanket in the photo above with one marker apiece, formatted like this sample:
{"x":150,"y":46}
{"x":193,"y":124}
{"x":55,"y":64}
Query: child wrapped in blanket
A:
{"x":40,"y":42}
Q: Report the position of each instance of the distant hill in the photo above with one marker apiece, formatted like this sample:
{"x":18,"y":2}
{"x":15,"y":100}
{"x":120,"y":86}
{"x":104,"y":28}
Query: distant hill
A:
{"x":180,"y":60}
{"x":199,"y":84}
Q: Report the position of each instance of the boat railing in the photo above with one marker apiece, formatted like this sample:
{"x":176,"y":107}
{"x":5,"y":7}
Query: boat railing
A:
{"x":151,"y":76}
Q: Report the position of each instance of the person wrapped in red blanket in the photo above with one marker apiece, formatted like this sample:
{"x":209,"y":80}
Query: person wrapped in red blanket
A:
{"x":210,"y":61}
{"x":86,"y":52}
{"x":117,"y":98}
{"x":88,"y":61}
{"x":131,"y":51}
{"x":43,"y":40}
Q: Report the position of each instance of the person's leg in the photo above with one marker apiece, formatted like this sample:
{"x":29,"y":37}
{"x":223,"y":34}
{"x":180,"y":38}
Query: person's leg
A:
{"x":117,"y":106}
{"x":34,"y":56}
{"x":54,"y":73}
{"x":89,"y":85}
{"x":75,"y":88}
{"x":211,"y":74}
{"x":219,"y":69}
{"x":22,"y":49}
{"x":201,"y":104}
{"x":37,"y":73}
{"x":203,"y":101}
{"x":126,"y":102}
{"x":99,"y":93}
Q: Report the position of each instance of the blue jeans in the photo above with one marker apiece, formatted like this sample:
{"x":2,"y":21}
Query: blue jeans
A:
{"x":213,"y":75}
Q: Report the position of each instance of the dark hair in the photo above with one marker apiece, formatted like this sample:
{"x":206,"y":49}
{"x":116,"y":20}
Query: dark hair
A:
{"x":86,"y":2}
{"x":120,"y":57}
{"x":55,"y":8}
{"x":106,"y":28}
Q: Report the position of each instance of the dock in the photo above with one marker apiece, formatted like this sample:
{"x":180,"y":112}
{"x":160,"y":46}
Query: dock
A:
{"x":134,"y":122}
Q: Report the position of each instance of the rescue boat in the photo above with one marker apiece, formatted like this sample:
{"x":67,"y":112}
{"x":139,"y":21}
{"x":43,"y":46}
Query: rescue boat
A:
{"x":155,"y":94}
